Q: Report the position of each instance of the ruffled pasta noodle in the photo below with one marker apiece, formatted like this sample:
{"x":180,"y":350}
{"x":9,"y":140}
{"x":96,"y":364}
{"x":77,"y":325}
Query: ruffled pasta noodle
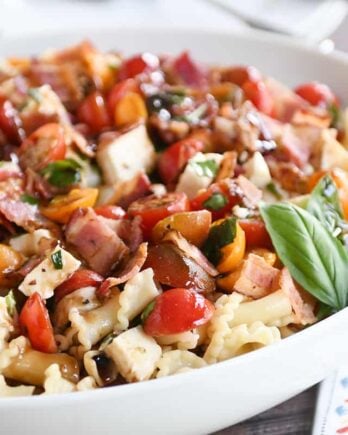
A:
{"x":6,"y":324}
{"x":20,"y":390}
{"x":183,"y":341}
{"x":91,"y":366}
{"x":178,"y":361}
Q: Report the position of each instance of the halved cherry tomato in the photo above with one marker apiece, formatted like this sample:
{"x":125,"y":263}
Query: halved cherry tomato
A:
{"x":137,"y":65}
{"x":152,"y":209}
{"x":193,"y":225}
{"x":130,"y":109}
{"x":174,"y":269}
{"x":45,"y":145}
{"x":62,"y":206}
{"x":233,"y":253}
{"x":175,"y":157}
{"x":177,"y":310}
{"x":256,"y":234}
{"x":317,"y":94}
{"x":93,"y":112}
{"x":119,"y":91}
{"x":259,"y":95}
{"x":10,"y":122}
{"x":79,"y":279}
{"x":35,"y":322}
{"x":110,"y":211}
{"x":240,"y":74}
{"x":190,"y":72}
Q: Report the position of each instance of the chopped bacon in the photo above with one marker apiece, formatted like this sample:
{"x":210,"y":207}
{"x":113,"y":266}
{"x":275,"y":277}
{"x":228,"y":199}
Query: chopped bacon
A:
{"x":313,"y":116}
{"x":95,"y":241}
{"x":35,"y":184}
{"x":22,"y":214}
{"x":227,"y":166}
{"x":17,"y":276}
{"x":130,"y":232}
{"x":129,"y":269}
{"x":288,"y":175}
{"x":190,"y":250}
{"x":250,"y":193}
{"x":303,"y":310}
{"x":189,"y":72}
{"x":257,"y":278}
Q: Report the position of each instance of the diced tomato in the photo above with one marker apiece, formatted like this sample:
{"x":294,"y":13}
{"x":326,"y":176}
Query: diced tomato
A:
{"x":93,"y":112}
{"x":118,"y":92}
{"x":10,"y":122}
{"x":189,"y":71}
{"x":174,"y":158}
{"x":35,"y":322}
{"x":110,"y":211}
{"x":177,"y":310}
{"x":317,"y":94}
{"x":152,"y":209}
{"x":259,"y":95}
{"x":79,"y":279}
{"x":45,"y":145}
{"x":137,"y":65}
{"x":256,"y":234}
{"x":240,"y":74}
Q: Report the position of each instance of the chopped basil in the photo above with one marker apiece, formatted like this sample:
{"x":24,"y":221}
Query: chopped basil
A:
{"x":147,"y":311}
{"x":10,"y":303}
{"x":215,"y":202}
{"x":29,"y":199}
{"x":335,"y":113}
{"x":219,"y":236}
{"x":274,"y":190}
{"x":57,"y":260}
{"x":62,"y":173}
{"x":165,"y":100}
{"x":207,"y":168}
{"x":35,"y":94}
{"x":195,"y":116}
{"x":315,"y":259}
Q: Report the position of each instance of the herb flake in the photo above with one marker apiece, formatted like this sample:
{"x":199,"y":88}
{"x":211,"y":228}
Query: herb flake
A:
{"x":206,"y":168}
{"x":215,"y":202}
{"x":57,"y":260}
{"x":219,"y":236}
{"x":62,"y":173}
{"x":29,"y":199}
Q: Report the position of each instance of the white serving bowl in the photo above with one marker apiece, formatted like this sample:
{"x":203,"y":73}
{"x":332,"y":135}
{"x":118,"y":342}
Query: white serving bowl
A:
{"x":208,"y":399}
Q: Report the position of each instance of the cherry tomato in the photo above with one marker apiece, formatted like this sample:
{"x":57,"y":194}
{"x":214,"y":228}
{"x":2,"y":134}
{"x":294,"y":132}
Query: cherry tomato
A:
{"x":137,"y":65}
{"x":317,"y":94}
{"x":190,"y":72}
{"x":259,"y":95}
{"x":10,"y":122}
{"x":174,"y":158}
{"x":174,"y":269}
{"x":110,"y":211}
{"x":152,"y":209}
{"x":35,"y":322}
{"x":118,"y":92}
{"x":256,"y":234}
{"x":45,"y":145}
{"x":79,"y":279}
{"x":93,"y":112}
{"x":177,"y":310}
{"x":240,"y":74}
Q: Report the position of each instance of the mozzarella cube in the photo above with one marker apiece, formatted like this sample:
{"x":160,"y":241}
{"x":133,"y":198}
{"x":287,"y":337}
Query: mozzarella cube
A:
{"x":31,"y":243}
{"x":135,"y":354}
{"x":44,"y":278}
{"x":124,"y":156}
{"x":257,"y":171}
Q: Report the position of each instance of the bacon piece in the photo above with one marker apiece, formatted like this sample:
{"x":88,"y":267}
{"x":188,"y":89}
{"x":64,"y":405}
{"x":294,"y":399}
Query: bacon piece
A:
{"x":257,"y":278}
{"x":303,"y":310}
{"x":22,"y":214}
{"x":190,"y":250}
{"x":17,"y":276}
{"x":250,"y":193}
{"x":130,"y":268}
{"x":227,"y":166}
{"x":35,"y":184}
{"x":95,"y":241}
{"x":130,"y":232}
{"x":189,"y":72}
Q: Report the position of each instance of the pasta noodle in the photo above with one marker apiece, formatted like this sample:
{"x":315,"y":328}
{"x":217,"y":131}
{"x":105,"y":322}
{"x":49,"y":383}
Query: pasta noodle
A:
{"x":20,"y":390}
{"x":178,"y":361}
{"x":184,"y":340}
{"x":6,"y":324}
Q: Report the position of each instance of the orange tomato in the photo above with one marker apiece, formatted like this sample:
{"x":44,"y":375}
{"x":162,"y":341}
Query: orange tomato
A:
{"x":233,"y":253}
{"x":130,"y":109}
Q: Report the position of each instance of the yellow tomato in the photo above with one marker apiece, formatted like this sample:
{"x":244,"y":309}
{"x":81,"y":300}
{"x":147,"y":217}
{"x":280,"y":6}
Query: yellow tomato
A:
{"x":129,"y":110}
{"x":233,"y":253}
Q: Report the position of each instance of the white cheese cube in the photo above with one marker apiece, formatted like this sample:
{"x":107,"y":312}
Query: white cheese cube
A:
{"x":44,"y":278}
{"x":135,"y":354}
{"x":123,"y":157}
{"x":257,"y":171}
{"x":31,"y":243}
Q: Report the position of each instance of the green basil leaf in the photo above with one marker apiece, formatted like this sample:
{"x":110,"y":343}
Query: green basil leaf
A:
{"x":274,"y":190}
{"x":62,"y":173}
{"x":219,"y":236}
{"x":10,"y":303}
{"x":57,"y":260}
{"x":207,"y":168}
{"x":335,"y":113}
{"x":215,"y":202}
{"x":29,"y":199}
{"x":147,"y":311}
{"x":315,"y":259}
{"x":195,"y":116}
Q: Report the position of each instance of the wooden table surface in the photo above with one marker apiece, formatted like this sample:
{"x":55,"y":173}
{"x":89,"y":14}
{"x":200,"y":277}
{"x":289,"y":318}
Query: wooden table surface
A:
{"x":293,"y":417}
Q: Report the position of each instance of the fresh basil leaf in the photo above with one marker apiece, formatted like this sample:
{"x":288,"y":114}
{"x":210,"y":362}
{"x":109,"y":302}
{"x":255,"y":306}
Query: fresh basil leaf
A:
{"x":215,"y":202}
{"x":147,"y":311}
{"x":219,"y":236}
{"x":10,"y":303}
{"x":315,"y":259}
{"x":29,"y":199}
{"x":62,"y":173}
{"x":207,"y":168}
{"x":335,"y":113}
{"x":274,"y":190}
{"x":57,"y":260}
{"x":195,"y":116}
{"x":165,"y":100}
{"x":324,"y":311}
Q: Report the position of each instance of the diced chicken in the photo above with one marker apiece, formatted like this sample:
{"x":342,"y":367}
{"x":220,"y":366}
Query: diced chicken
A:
{"x":47,"y":275}
{"x":121,"y":158}
{"x":135,"y":354}
{"x":194,"y":178}
{"x":257,"y":278}
{"x":33,"y":243}
{"x":257,"y":171}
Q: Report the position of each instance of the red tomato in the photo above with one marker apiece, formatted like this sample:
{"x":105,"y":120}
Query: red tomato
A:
{"x":45,"y":145}
{"x":190,"y":72}
{"x":259,"y":95}
{"x":35,"y":322}
{"x":174,"y":158}
{"x":240,"y":74}
{"x":10,"y":122}
{"x":317,"y":94}
{"x":118,"y":92}
{"x":177,"y":310}
{"x":110,"y":211}
{"x":152,"y":209}
{"x":79,"y":279}
{"x":137,"y":65}
{"x":256,"y":234}
{"x":93,"y":112}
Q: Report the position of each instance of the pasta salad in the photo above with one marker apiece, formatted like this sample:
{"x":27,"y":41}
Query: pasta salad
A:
{"x":158,"y":215}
